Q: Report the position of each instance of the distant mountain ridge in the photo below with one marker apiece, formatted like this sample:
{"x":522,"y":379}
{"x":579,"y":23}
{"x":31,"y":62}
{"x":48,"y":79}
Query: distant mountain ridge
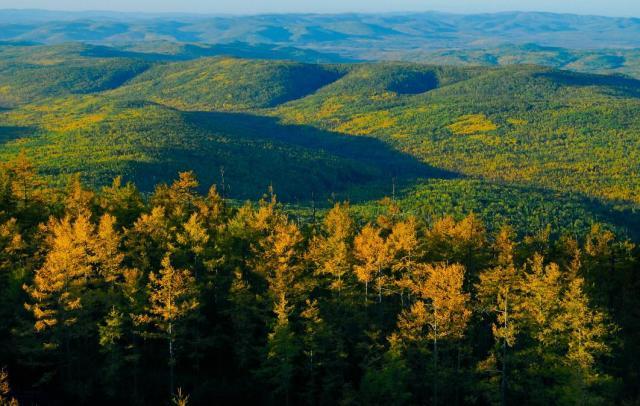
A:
{"x":351,"y":35}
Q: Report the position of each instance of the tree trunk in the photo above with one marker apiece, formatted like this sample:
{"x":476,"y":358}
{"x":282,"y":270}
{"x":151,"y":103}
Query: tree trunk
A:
{"x":503,"y":383}
{"x":457,"y":388}
{"x":171,"y":359}
{"x":435,"y":364}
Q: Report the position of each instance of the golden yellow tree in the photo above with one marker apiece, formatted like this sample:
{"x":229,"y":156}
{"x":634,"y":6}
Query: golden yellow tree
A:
{"x":106,"y":253}
{"x":26,"y":183}
{"x":448,"y":306}
{"x":179,"y":199}
{"x":79,"y":201}
{"x":412,"y":323}
{"x":499,"y":293}
{"x":459,"y":242}
{"x":5,"y":399}
{"x":370,"y":251}
{"x":330,"y":252}
{"x":172,"y":297}
{"x":541,"y":292}
{"x":279,"y":260}
{"x":58,"y":286}
{"x":11,"y":246}
{"x":402,"y":245}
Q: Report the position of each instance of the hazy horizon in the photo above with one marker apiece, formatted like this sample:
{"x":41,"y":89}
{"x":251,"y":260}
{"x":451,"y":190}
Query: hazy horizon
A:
{"x":613,"y":8}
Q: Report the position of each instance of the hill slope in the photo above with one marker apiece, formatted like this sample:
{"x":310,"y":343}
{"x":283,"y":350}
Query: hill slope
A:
{"x":313,"y":130}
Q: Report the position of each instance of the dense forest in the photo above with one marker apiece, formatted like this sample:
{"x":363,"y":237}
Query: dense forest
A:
{"x":532,"y":145}
{"x":112,"y":295}
{"x":357,"y":233}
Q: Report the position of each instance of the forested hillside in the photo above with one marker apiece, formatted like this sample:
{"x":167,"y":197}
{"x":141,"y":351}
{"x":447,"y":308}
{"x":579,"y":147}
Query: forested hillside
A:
{"x":441,"y":234}
{"x":106,"y":297}
{"x":352,"y":131}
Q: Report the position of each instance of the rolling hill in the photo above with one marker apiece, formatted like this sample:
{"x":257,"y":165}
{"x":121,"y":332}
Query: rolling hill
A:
{"x":350,"y":33}
{"x":312,"y":131}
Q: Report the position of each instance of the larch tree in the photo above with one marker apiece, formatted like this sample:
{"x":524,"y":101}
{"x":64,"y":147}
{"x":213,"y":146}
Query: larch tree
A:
{"x":25,"y":181}
{"x":12,"y":245}
{"x":330,"y":252}
{"x":583,"y":332}
{"x":59,"y":285}
{"x":150,"y":238}
{"x":106,"y":253}
{"x":499,"y":293}
{"x":370,"y":251}
{"x":402,"y":245}
{"x":279,"y":261}
{"x":194,"y":239}
{"x":448,"y":306}
{"x":5,"y":390}
{"x":173,"y":296}
{"x":79,"y":201}
{"x":179,"y":199}
{"x":281,"y":351}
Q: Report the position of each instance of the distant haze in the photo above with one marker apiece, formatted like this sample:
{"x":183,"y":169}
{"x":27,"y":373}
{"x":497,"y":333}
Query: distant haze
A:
{"x":621,"y":8}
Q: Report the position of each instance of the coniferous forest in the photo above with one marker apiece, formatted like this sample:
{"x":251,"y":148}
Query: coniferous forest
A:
{"x":110,"y":296}
{"x":300,"y":209}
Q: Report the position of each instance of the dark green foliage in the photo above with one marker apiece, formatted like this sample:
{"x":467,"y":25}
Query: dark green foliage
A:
{"x":247,"y":337}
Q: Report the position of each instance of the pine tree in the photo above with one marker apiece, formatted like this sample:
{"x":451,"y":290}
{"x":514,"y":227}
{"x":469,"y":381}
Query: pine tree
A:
{"x":125,"y":203}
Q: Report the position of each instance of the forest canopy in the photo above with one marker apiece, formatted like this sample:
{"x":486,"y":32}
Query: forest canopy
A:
{"x":109,"y":295}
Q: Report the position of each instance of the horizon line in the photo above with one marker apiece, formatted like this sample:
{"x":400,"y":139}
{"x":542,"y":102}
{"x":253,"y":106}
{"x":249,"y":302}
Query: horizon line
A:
{"x":312,"y":13}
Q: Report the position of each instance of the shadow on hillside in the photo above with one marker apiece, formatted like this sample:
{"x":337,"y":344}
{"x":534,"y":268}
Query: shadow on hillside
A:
{"x":621,"y":85}
{"x":564,"y":208}
{"x":300,"y":162}
{"x":10,"y":133}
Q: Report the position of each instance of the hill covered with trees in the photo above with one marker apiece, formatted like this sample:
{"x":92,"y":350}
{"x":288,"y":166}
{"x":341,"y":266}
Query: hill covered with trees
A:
{"x":442,"y":234}
{"x":352,"y":131}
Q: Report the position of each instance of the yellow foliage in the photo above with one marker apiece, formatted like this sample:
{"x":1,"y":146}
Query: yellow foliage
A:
{"x":368,"y":123}
{"x":472,"y":124}
{"x":517,"y":121}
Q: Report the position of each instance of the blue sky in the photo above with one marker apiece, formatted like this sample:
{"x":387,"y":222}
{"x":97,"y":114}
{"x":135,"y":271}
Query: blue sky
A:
{"x":623,"y":8}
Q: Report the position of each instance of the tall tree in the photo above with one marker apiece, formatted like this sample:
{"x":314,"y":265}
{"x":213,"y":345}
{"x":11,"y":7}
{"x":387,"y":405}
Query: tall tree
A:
{"x":448,"y":307}
{"x":281,"y":351}
{"x":331,"y":252}
{"x":499,"y":294}
{"x":370,"y":251}
{"x":172,"y":297}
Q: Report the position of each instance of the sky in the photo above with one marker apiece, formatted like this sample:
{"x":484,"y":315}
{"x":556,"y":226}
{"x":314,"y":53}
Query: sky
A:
{"x":621,"y":8}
